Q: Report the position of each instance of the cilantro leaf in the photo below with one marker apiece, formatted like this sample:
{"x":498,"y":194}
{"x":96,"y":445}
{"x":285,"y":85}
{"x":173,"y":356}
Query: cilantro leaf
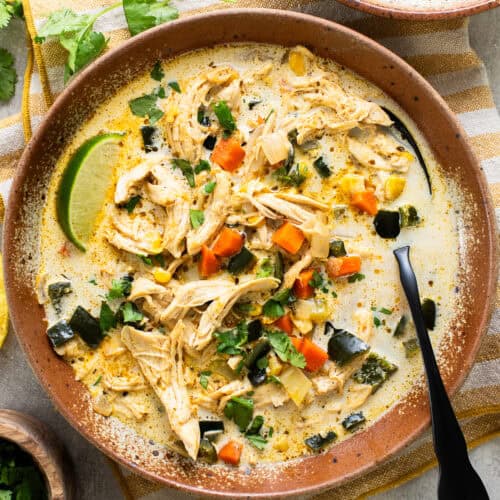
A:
{"x":120,"y":288}
{"x":257,"y":440}
{"x":175,"y":86}
{"x":8,"y":75}
{"x":209,"y":187}
{"x":293,"y":177}
{"x":157,"y":72}
{"x":317,"y":280}
{"x":274,"y":307}
{"x":74,"y":32}
{"x":204,"y":378}
{"x":146,"y":106}
{"x":197,"y":218}
{"x":131,"y":203}
{"x":225,"y":117}
{"x":266,"y":269}
{"x":146,"y":259}
{"x":9,"y":9}
{"x":144,"y":14}
{"x":285,"y":350}
{"x":202,"y":165}
{"x":185,"y":167}
{"x":63,"y":21}
{"x":356,"y":277}
{"x":231,"y":341}
{"x":240,"y":410}
{"x":131,"y":313}
{"x":107,"y":319}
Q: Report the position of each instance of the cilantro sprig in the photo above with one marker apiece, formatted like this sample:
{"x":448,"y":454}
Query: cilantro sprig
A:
{"x":8,"y":10}
{"x":285,"y":350}
{"x":76,"y":34}
{"x":8,"y":75}
{"x":144,"y":14}
{"x":145,"y":106}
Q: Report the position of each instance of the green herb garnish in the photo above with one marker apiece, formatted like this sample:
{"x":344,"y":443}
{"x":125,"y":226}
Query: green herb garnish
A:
{"x":120,"y":288}
{"x":175,"y":86}
{"x":285,"y":350}
{"x":209,"y":187}
{"x":356,"y":277}
{"x":187,"y":170}
{"x":144,"y":14}
{"x":197,"y":218}
{"x":225,"y":117}
{"x":157,"y":72}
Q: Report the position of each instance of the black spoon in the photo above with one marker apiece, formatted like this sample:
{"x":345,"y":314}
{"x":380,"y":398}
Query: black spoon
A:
{"x":457,"y":478}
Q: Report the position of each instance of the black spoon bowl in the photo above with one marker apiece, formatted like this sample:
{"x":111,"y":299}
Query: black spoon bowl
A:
{"x":457,"y":478}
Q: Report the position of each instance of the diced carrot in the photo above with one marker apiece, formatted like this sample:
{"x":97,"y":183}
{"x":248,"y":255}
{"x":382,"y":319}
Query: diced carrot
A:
{"x":342,"y":266}
{"x":366,"y":201}
{"x":301,"y":287}
{"x":209,"y":263}
{"x":228,"y":243}
{"x":285,"y":324}
{"x":231,"y":452}
{"x":289,"y":238}
{"x":315,"y":356}
{"x":228,"y":154}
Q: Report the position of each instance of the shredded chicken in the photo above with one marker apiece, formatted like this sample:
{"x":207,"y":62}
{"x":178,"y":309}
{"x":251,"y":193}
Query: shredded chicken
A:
{"x":183,"y":132}
{"x":215,"y":313}
{"x":161,"y":360}
{"x":215,"y":215}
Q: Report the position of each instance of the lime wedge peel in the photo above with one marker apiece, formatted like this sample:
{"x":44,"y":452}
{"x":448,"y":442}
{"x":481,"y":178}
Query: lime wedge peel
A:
{"x":84,"y":185}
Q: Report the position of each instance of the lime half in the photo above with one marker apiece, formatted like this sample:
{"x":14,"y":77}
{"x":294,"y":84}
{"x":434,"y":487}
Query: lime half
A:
{"x":84,"y":184}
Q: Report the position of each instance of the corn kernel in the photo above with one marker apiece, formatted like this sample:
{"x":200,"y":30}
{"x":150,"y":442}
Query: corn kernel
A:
{"x":161,"y":275}
{"x":352,"y":183}
{"x":394,"y":186}
{"x":255,"y":310}
{"x":281,"y":444}
{"x":275,"y":366}
{"x":297,"y":63}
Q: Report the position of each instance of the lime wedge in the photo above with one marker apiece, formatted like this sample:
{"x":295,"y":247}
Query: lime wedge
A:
{"x":84,"y":185}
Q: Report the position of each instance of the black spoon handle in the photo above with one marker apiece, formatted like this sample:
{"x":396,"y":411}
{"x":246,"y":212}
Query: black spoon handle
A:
{"x":449,"y":442}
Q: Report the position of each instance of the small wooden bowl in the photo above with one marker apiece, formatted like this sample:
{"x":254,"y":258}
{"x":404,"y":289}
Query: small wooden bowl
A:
{"x":46,"y":449}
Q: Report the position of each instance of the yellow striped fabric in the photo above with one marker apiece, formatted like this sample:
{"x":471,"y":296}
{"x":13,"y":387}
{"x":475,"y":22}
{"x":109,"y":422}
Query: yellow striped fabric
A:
{"x":440,"y":51}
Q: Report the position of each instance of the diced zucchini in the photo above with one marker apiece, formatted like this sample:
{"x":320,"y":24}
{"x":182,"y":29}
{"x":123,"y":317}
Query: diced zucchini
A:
{"x":86,"y":326}
{"x":296,"y":384}
{"x":337,"y":249}
{"x":207,"y":452}
{"x":411,"y":347}
{"x":400,"y":329}
{"x":353,"y":421}
{"x":60,"y":333}
{"x":386,"y":224}
{"x":149,"y":135}
{"x":241,"y":261}
{"x":408,"y":216}
{"x":375,"y":371}
{"x":429,"y":313}
{"x":317,"y":442}
{"x":57,"y":291}
{"x":322,"y":168}
{"x":343,"y":346}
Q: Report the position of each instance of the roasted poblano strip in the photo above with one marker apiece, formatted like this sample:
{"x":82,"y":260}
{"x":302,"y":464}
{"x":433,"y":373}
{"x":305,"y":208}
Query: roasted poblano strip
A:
{"x":319,"y":441}
{"x":353,"y":421}
{"x":343,"y":346}
{"x":57,"y":291}
{"x":60,"y":333}
{"x":374,"y":371}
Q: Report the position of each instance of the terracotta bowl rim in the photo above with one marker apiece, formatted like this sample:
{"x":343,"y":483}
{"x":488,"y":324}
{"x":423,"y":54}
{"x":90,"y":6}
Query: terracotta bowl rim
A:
{"x":420,"y":15}
{"x":62,"y":101}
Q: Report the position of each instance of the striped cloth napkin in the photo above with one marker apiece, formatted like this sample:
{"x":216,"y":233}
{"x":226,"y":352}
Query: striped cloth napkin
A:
{"x":440,"y":51}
